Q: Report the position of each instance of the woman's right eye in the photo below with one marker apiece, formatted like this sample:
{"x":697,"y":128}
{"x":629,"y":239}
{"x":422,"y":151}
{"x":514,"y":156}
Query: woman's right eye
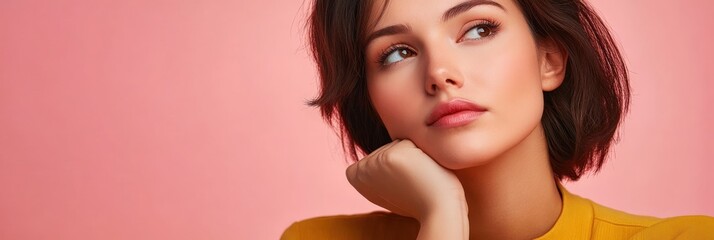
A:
{"x":395,"y":55}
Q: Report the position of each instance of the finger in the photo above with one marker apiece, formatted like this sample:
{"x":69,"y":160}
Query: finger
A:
{"x":377,"y":199}
{"x":365,"y":190}
{"x":407,"y":144}
{"x":377,"y":154}
{"x":386,"y":146}
{"x":351,"y":173}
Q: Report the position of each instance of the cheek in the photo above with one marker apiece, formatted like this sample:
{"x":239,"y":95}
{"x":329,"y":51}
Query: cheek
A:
{"x":519,"y":94}
{"x":518,"y":90}
{"x":395,"y":97}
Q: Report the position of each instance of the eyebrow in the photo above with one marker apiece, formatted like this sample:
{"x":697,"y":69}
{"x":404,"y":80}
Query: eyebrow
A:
{"x":451,"y":13}
{"x":465,"y":6}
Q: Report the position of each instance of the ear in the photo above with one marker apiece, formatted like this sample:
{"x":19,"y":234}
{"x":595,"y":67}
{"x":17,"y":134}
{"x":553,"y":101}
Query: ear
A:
{"x":552,"y":60}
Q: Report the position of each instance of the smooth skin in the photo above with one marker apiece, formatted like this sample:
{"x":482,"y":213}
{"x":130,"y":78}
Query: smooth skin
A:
{"x":490,"y":179}
{"x":402,"y":178}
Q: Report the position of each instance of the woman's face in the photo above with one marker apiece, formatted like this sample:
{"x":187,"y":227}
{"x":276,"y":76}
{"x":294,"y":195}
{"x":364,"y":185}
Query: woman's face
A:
{"x":435,"y":51}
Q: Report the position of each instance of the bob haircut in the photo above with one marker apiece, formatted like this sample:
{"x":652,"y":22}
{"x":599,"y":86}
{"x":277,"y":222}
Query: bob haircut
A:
{"x":580,"y":117}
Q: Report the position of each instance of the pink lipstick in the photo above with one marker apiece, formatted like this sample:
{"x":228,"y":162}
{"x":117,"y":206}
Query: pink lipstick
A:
{"x":454,"y":113}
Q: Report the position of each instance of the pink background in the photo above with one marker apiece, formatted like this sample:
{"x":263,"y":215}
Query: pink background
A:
{"x":185,"y":119}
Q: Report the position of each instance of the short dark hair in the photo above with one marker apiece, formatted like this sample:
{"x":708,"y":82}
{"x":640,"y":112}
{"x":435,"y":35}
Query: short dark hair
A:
{"x":580,"y":117}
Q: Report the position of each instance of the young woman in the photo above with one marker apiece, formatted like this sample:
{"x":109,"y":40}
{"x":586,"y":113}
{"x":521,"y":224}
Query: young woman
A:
{"x":470,"y":113}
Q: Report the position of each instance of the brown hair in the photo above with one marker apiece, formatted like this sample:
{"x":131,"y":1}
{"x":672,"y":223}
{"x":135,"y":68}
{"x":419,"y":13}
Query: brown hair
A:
{"x":580,"y":117}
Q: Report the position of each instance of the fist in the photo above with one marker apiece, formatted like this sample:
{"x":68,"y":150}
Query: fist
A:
{"x":401,"y":178}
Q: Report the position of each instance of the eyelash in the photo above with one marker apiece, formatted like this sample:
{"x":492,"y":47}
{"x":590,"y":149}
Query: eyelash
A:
{"x":492,"y":24}
{"x":383,"y":56}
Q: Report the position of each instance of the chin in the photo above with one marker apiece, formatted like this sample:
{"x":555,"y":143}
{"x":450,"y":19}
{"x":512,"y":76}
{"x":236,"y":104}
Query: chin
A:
{"x":461,"y":155}
{"x":472,"y":148}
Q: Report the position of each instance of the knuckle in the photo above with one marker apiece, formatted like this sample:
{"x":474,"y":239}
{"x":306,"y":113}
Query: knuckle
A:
{"x":407,"y":142}
{"x":354,"y":170}
{"x":361,"y":178}
{"x":393,"y":158}
{"x":362,"y":170}
{"x":351,"y":172}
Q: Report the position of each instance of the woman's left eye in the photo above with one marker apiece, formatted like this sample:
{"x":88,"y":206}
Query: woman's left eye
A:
{"x":480,"y":31}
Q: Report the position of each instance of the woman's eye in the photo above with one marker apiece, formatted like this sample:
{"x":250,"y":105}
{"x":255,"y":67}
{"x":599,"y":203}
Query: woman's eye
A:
{"x":397,"y":55}
{"x":479,"y":31}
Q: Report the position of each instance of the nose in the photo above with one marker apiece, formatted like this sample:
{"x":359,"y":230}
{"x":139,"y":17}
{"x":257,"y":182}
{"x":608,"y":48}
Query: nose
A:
{"x":442,"y":73}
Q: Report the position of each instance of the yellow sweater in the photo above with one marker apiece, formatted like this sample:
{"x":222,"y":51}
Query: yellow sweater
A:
{"x":580,"y":218}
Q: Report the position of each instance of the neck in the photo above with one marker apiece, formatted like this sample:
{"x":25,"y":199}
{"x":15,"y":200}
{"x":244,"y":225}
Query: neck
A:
{"x":514,"y":196}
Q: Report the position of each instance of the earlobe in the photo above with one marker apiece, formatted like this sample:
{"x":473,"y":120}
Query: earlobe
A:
{"x":553,"y":60}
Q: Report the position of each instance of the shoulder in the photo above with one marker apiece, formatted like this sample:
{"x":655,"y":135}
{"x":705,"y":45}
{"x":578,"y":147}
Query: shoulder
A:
{"x":587,"y":219}
{"x":682,"y":227}
{"x":609,"y":216}
{"x":610,"y":222}
{"x":373,"y":225}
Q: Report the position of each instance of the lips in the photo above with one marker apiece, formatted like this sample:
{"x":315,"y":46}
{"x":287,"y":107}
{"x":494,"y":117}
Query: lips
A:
{"x":452,"y":107}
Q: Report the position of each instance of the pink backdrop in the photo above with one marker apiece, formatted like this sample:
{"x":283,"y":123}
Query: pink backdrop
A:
{"x":185,"y":119}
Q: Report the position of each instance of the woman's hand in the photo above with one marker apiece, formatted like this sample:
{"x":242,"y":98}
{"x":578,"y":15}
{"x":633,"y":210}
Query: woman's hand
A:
{"x":403,"y":179}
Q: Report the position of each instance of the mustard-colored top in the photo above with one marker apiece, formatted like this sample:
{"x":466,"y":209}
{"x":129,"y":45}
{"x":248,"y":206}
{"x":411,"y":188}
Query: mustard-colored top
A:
{"x":580,"y":218}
